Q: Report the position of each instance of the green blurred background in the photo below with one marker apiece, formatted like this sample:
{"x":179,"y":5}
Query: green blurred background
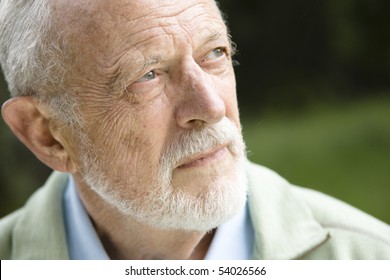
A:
{"x":314,"y":94}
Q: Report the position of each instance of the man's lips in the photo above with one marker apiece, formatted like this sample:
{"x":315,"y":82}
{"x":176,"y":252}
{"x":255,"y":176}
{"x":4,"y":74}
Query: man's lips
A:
{"x":204,"y":158}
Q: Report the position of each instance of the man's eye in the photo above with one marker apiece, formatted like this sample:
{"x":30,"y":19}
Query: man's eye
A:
{"x":218,"y":52}
{"x":149,"y":76}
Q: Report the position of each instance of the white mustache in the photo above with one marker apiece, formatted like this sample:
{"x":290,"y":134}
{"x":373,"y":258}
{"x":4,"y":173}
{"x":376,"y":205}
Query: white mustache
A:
{"x":190,"y":143}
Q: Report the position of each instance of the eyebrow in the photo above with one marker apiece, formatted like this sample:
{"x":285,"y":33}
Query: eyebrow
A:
{"x":146,"y":63}
{"x":217,"y":35}
{"x":156,"y":59}
{"x":119,"y":80}
{"x":152,"y":60}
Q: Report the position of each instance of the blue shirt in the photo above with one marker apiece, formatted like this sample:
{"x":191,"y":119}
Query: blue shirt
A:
{"x":233,"y":240}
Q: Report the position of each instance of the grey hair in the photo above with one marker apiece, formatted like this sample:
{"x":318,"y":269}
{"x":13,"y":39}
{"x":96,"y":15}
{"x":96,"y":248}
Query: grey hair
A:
{"x":31,"y":59}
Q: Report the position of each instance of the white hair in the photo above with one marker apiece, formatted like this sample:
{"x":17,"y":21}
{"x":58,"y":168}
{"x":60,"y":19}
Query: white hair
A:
{"x":31,"y":56}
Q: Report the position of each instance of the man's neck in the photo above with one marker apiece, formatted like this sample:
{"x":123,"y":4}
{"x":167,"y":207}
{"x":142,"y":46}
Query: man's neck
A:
{"x":154,"y":244}
{"x":125,"y":238}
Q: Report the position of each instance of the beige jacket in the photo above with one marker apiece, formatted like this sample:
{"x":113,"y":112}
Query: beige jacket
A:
{"x":289,"y":222}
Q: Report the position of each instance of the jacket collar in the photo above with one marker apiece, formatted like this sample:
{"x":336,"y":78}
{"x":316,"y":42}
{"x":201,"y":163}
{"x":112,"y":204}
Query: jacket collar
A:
{"x":284,"y":225}
{"x":40,"y":233}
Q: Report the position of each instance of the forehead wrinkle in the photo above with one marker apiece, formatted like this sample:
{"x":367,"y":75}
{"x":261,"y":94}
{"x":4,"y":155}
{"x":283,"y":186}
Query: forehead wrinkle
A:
{"x":113,"y":68}
{"x":162,"y":15}
{"x":167,"y":11}
{"x":167,"y":19}
{"x":128,"y":43}
{"x":146,"y":39}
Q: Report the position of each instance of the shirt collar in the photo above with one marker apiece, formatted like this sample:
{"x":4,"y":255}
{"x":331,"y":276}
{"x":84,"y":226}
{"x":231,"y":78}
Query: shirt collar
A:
{"x":82,"y":239}
{"x":232,"y":240}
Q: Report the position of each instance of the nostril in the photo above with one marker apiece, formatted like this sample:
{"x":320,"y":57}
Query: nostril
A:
{"x":197,"y":123}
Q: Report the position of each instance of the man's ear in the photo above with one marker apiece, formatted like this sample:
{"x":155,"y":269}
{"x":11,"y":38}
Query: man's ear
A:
{"x":30,"y":124}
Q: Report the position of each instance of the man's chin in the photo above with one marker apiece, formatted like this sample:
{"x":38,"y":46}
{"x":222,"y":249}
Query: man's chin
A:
{"x":201,"y":217}
{"x":196,"y":200}
{"x":205,"y":203}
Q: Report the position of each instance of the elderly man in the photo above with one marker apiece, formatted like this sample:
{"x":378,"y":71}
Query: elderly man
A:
{"x":133,"y":103}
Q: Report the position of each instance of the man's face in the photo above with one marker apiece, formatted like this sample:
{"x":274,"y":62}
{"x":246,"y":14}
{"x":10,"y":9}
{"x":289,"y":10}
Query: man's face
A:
{"x":157,"y":89}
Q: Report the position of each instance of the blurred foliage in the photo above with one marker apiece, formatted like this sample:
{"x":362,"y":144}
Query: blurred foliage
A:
{"x":20,"y":172}
{"x":341,"y":150}
{"x":307,"y":70}
{"x":295,"y":52}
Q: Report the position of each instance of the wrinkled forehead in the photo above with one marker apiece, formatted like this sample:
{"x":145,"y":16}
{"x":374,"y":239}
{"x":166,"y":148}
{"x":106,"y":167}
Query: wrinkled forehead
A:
{"x":104,"y":18}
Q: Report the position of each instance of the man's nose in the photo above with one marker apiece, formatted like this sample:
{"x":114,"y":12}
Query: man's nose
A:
{"x":200,"y":101}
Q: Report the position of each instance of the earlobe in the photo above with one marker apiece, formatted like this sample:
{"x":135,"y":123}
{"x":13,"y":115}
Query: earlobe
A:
{"x":28,"y":122}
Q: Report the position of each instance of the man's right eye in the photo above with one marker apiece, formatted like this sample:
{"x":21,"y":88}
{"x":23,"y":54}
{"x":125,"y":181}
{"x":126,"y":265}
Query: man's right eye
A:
{"x":147,"y":77}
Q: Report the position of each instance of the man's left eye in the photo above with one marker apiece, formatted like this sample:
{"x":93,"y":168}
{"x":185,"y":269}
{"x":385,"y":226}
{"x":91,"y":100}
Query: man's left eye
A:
{"x":218,"y":52}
